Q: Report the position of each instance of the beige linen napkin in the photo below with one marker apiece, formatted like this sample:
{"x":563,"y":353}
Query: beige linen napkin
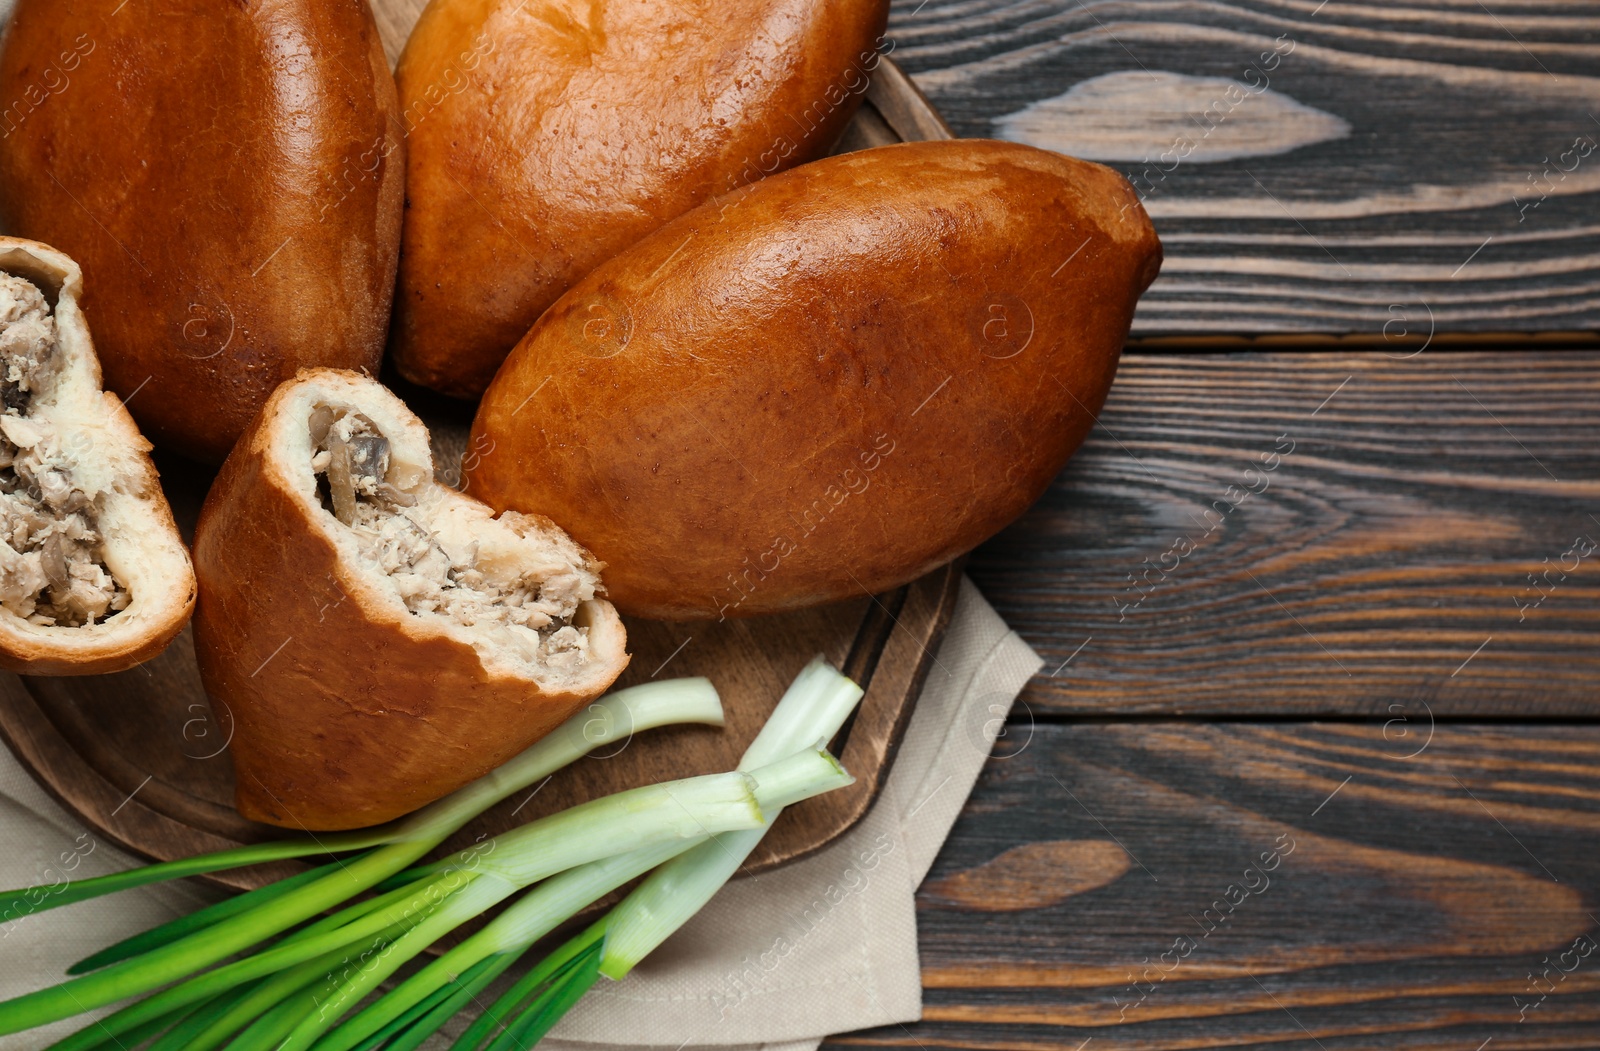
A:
{"x":43,"y":846}
{"x":779,"y":961}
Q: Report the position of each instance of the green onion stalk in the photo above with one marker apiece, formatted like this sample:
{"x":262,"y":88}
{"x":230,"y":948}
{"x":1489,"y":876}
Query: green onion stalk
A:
{"x":178,"y":949}
{"x":810,"y":713}
{"x":674,"y":701}
{"x":263,"y":971}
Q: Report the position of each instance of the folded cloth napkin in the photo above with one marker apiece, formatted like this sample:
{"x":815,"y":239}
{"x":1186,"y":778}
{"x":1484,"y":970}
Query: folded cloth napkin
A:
{"x":825,"y":945}
{"x":44,"y":846}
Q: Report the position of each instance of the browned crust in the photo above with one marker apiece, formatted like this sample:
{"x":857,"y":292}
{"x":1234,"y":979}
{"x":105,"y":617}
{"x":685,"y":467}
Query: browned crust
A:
{"x":821,"y":386}
{"x":349,"y":711}
{"x":544,"y":142}
{"x":231,"y":183}
{"x":167,"y":606}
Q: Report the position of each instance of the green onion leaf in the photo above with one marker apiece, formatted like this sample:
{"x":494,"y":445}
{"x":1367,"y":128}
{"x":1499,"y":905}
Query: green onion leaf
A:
{"x":421,"y":1020}
{"x":516,"y":999}
{"x":172,"y":930}
{"x":177,"y":1038}
{"x":565,"y":989}
{"x":31,"y":900}
{"x":317,"y":966}
{"x":142,"y":973}
{"x":690,"y":700}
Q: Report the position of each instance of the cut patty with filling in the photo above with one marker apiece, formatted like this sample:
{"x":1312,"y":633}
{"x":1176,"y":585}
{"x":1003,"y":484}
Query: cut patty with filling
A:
{"x":525,"y":605}
{"x":52,"y":567}
{"x":379,"y":637}
{"x":94,"y":577}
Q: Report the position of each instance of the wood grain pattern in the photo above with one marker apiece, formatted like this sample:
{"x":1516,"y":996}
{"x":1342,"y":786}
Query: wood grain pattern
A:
{"x":1320,"y":893}
{"x":1301,"y":534}
{"x":1465,"y":120}
{"x":1032,"y":876}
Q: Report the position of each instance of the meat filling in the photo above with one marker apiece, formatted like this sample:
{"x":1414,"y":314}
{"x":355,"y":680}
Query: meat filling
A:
{"x":532,"y":612}
{"x":52,"y":569}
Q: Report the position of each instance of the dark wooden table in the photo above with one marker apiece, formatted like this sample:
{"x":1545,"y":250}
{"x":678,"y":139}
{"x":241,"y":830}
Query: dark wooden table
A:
{"x":1314,"y":762}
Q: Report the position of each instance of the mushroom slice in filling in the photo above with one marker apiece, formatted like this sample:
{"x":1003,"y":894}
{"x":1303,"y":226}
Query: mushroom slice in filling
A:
{"x":52,"y":566}
{"x":436,"y":568}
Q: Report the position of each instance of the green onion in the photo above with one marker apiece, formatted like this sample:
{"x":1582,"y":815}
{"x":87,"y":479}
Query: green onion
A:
{"x":172,"y":930}
{"x":691,"y":700}
{"x":399,"y":845}
{"x":263,"y":995}
{"x":592,"y":830}
{"x":382,"y":925}
{"x":612,"y":718}
{"x":297,"y":970}
{"x":558,"y":898}
{"x":664,"y":815}
{"x":566,"y":987}
{"x":419,"y":1022}
{"x":179,"y":1036}
{"x":813,"y":709}
{"x":522,"y":996}
{"x":507,"y":937}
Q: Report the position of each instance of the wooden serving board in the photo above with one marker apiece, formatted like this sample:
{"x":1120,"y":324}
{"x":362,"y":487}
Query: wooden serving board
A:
{"x":141,"y":757}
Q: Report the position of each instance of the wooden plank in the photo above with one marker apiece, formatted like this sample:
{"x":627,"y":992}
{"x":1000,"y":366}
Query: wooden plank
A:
{"x":1379,"y":899}
{"x":1311,"y":167}
{"x":1303,"y":534}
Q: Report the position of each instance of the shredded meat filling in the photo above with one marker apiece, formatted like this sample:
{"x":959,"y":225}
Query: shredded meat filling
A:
{"x":351,"y":460}
{"x":52,"y":569}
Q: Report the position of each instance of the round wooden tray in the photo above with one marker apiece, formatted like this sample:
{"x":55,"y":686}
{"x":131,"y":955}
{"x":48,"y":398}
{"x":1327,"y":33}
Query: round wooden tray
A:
{"x":141,"y":757}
